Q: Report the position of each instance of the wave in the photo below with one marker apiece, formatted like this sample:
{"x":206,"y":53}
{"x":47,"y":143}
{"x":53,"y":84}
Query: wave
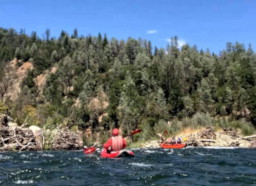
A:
{"x":48,"y":155}
{"x":203,"y":154}
{"x":150,"y":151}
{"x":171,"y":151}
{"x":210,"y":147}
{"x":2,"y":157}
{"x":141,"y":164}
{"x":78,"y":159}
{"x":24,"y":182}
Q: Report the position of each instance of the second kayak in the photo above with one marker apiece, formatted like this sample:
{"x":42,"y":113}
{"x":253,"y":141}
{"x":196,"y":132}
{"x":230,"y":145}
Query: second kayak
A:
{"x":172,"y":146}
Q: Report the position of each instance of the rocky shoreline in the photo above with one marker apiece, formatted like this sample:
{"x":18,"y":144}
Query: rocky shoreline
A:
{"x":18,"y":138}
{"x":207,"y":137}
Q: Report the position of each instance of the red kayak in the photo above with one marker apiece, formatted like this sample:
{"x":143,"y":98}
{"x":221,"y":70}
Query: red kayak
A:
{"x":116,"y":154}
{"x":172,"y":146}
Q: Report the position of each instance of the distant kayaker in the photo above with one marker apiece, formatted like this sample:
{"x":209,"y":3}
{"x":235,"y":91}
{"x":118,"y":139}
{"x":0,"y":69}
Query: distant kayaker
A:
{"x":171,"y":141}
{"x":174,"y":141}
{"x":116,"y":142}
{"x":179,"y":140}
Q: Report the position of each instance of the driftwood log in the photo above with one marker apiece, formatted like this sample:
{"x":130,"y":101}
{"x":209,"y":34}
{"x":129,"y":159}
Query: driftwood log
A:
{"x":208,"y":133}
{"x":16,"y":138}
{"x":68,"y":140}
{"x":231,"y":132}
{"x":252,"y":139}
{"x":249,"y":137}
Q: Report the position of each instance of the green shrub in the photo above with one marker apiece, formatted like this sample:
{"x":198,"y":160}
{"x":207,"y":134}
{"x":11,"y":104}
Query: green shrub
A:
{"x":176,"y":126}
{"x":53,"y":122}
{"x":3,"y":108}
{"x":246,"y":127}
{"x":104,"y":136}
{"x":222,"y":123}
{"x":248,"y":130}
{"x":48,"y":137}
{"x":161,"y":126}
{"x":201,"y":120}
{"x":148,"y":129}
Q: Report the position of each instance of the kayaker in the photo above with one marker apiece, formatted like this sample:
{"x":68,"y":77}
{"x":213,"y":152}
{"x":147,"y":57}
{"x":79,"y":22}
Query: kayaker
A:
{"x":172,"y":141}
{"x":179,"y":140}
{"x":116,"y":142}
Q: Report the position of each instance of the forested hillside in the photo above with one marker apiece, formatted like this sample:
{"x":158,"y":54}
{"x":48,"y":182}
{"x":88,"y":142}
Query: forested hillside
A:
{"x":98,"y":82}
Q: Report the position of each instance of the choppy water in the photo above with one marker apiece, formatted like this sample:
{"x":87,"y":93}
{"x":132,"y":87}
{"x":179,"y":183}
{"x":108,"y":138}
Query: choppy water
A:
{"x":192,"y":166}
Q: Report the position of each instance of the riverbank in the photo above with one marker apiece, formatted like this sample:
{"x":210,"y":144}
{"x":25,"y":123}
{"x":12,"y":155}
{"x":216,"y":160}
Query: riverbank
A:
{"x":19,"y":138}
{"x":208,"y":137}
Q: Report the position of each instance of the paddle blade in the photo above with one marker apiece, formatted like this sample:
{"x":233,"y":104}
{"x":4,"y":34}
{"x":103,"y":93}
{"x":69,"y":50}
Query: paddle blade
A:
{"x":165,"y":133}
{"x":185,"y":139}
{"x":135,"y":131}
{"x":89,"y":150}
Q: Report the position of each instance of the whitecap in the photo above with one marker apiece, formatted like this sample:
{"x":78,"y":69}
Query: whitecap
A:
{"x":78,"y":159}
{"x":23,"y":156}
{"x":90,"y":155}
{"x":98,"y":150}
{"x":39,"y":169}
{"x":141,"y":164}
{"x":184,"y":175}
{"x":23,"y":182}
{"x":211,"y":147}
{"x":171,"y":151}
{"x":199,"y":153}
{"x":4,"y":157}
{"x":168,"y":165}
{"x":48,"y":155}
{"x":203,"y":154}
{"x":150,"y":151}
{"x":190,"y":147}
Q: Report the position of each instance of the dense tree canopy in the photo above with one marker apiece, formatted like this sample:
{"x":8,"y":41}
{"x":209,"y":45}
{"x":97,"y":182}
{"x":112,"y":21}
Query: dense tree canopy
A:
{"x":141,"y":85}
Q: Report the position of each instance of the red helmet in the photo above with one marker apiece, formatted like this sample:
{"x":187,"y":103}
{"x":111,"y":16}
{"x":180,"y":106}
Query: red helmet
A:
{"x":115,"y":132}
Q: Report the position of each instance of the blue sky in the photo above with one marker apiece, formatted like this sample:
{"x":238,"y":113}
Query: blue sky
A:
{"x":205,"y":23}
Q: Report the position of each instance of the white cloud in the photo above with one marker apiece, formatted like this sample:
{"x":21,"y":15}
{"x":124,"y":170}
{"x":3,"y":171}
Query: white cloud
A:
{"x":181,"y":42}
{"x":151,"y":31}
{"x":168,"y":40}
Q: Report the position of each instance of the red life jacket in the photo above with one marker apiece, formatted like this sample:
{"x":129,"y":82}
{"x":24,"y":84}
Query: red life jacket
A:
{"x":117,"y":143}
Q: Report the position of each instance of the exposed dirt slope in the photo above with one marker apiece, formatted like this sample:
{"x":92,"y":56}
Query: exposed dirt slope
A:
{"x":18,"y":75}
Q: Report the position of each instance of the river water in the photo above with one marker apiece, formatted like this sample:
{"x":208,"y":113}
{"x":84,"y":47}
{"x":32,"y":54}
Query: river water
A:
{"x":190,"y":166}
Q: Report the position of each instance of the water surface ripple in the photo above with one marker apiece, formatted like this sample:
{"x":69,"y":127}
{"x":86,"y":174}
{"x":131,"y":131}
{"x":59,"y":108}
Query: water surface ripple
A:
{"x":191,"y":166}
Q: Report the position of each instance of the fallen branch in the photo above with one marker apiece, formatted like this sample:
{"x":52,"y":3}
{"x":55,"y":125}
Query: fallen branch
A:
{"x":249,"y":137}
{"x":208,"y":140}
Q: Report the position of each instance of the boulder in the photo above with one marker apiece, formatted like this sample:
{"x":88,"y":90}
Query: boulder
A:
{"x":38,"y":134}
{"x":12,"y":124}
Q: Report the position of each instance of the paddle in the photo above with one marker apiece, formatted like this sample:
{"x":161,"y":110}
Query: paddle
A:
{"x":134,"y":132}
{"x":185,"y":139}
{"x":90,"y":150}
